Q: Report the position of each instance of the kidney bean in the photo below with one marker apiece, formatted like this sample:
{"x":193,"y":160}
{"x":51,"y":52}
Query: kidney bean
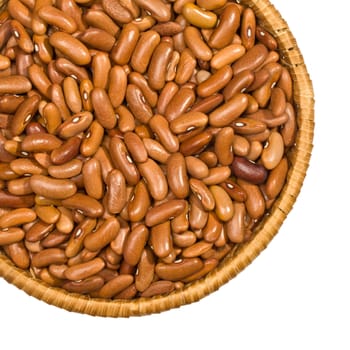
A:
{"x":66,"y":151}
{"x":178,"y":270}
{"x":195,"y":42}
{"x":177,"y":175}
{"x":84,"y":270}
{"x":134,"y":244}
{"x":228,"y":25}
{"x":85,"y":286}
{"x":116,"y":195}
{"x":70,"y":47}
{"x":217,"y":175}
{"x":273,"y":151}
{"x":103,"y":108}
{"x":182,"y":100}
{"x":101,"y":20}
{"x":238,"y":84}
{"x":249,"y":171}
{"x":198,"y":16}
{"x":20,"y":12}
{"x":15,"y":84}
{"x":47,"y":214}
{"x":223,"y":203}
{"x":7,"y":200}
{"x":255,"y":203}
{"x":11,"y":235}
{"x":49,"y":256}
{"x":87,"y":205}
{"x":58,"y":18}
{"x":18,"y":254}
{"x":137,"y":103}
{"x":139,"y":203}
{"x":68,"y":68}
{"x":97,"y":38}
{"x":289,"y":129}
{"x":165,"y":211}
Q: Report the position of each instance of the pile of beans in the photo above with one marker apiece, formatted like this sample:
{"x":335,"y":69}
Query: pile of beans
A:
{"x":140,"y":141}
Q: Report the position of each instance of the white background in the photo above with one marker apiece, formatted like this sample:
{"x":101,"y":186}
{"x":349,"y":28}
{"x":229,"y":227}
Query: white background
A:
{"x":296,"y":294}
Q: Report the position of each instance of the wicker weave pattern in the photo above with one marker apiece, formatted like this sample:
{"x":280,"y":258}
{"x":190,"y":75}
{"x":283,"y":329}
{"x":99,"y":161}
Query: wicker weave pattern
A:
{"x":245,"y":254}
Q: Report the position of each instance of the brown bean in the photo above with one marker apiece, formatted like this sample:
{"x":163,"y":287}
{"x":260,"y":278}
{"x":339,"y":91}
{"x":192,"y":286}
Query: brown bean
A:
{"x":157,"y":8}
{"x":55,"y":17}
{"x":217,"y":175}
{"x":255,"y":203}
{"x":126,"y":120}
{"x":85,"y":286}
{"x":249,"y":170}
{"x":289,"y":129}
{"x":97,"y":38}
{"x":197,"y":45}
{"x":123,"y":161}
{"x":182,"y":100}
{"x":15,"y":84}
{"x":196,"y":144}
{"x":202,"y":192}
{"x":136,"y":147}
{"x":84,"y":270}
{"x":67,"y":151}
{"x":273,"y":151}
{"x":92,"y":140}
{"x":223,"y":203}
{"x":199,"y":17}
{"x":229,"y":111}
{"x":115,"y":286}
{"x":137,"y":103}
{"x":145,"y":269}
{"x":164,"y":211}
{"x":208,"y":265}
{"x":224,"y":145}
{"x":67,"y":170}
{"x":18,"y":254}
{"x":7,"y":200}
{"x":177,"y":175}
{"x":71,"y":47}
{"x":72,"y":94}
{"x":68,"y":68}
{"x":139,"y":203}
{"x":100,"y":19}
{"x":134,"y":244}
{"x":227,"y":55}
{"x":95,"y":241}
{"x":116,"y":195}
{"x":103,"y":108}
{"x":141,"y":82}
{"x":178,"y":270}
{"x":186,"y":66}
{"x":49,"y":256}
{"x":11,"y":235}
{"x":51,"y":187}
{"x":87,"y":205}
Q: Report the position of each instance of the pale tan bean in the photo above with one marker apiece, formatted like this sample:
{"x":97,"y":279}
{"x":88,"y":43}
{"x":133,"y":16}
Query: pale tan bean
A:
{"x":11,"y":235}
{"x":70,"y":47}
{"x":116,"y":194}
{"x":123,"y":161}
{"x":51,"y":187}
{"x":84,"y":270}
{"x":195,"y":42}
{"x":164,"y":211}
{"x":17,"y":217}
{"x":86,"y":205}
{"x":104,"y":235}
{"x":273,"y":151}
{"x":115,"y":286}
{"x":135,"y":243}
{"x":178,"y":270}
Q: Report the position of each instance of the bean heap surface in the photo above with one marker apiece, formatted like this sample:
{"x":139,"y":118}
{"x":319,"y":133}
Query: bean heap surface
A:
{"x":140,"y":141}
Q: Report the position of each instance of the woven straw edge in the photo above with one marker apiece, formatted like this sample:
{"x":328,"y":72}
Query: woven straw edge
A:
{"x":245,"y":254}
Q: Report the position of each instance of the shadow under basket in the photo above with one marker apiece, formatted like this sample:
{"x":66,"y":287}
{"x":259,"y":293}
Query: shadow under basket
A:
{"x":244,"y":254}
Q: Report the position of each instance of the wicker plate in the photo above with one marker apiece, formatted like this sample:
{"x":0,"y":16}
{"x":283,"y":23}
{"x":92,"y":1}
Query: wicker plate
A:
{"x":238,"y":259}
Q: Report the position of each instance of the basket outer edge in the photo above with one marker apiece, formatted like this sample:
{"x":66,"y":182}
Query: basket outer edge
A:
{"x":235,"y":263}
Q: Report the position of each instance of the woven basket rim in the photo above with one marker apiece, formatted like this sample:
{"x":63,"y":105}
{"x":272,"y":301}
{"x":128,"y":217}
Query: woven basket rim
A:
{"x":238,"y":259}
